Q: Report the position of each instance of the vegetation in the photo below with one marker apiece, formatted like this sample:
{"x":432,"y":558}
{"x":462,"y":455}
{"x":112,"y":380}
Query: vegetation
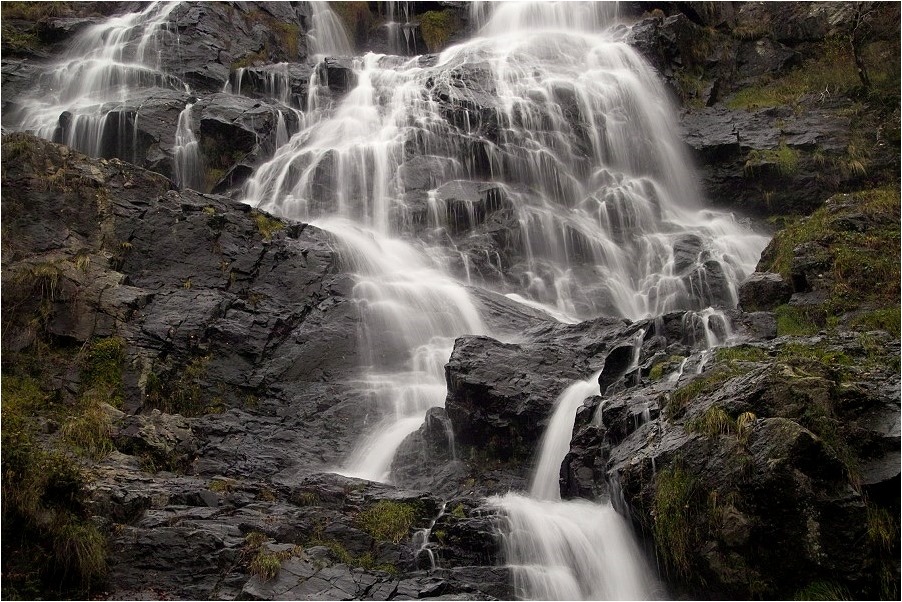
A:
{"x":830,"y":71}
{"x":266,"y":225}
{"x":823,"y":590}
{"x":387,"y":520}
{"x":856,"y":238}
{"x":741,"y":353}
{"x":673,"y":513}
{"x":700,"y":386}
{"x":35,"y":11}
{"x":784,"y":159}
{"x":183,"y":391}
{"x":437,"y":27}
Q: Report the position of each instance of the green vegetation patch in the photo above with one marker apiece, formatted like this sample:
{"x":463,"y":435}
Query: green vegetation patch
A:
{"x":437,"y":27}
{"x":387,"y":520}
{"x":673,"y":513}
{"x":783,"y":158}
{"x":184,"y":391}
{"x":856,"y":238}
{"x":832,"y":70}
{"x":741,"y":353}
{"x":700,"y":386}
{"x":267,"y":226}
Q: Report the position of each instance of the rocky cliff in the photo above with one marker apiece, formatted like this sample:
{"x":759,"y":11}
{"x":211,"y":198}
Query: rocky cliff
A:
{"x":179,"y":369}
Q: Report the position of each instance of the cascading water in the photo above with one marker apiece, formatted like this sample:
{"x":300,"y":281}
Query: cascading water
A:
{"x":574,"y":549}
{"x":84,"y":100}
{"x":188,"y":170}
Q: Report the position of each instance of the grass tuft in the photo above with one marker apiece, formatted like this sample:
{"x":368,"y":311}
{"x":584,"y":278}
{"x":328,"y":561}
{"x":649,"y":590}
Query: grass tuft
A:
{"x":673,"y":532}
{"x":387,"y":520}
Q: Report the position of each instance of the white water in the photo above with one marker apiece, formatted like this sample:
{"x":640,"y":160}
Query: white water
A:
{"x":574,"y":549}
{"x":188,"y":170}
{"x":410,"y":314}
{"x":94,"y":79}
{"x":326,"y":36}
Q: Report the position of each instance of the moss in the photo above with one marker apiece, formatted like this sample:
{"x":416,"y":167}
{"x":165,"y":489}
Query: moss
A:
{"x":212,"y":177}
{"x":437,"y":27}
{"x":250,"y":59}
{"x":794,"y":321}
{"x":387,"y":520}
{"x":741,"y":353}
{"x":185,"y":392}
{"x":18,"y":41}
{"x":222,"y":485}
{"x":266,"y":225}
{"x":861,"y":268}
{"x":458,"y":512}
{"x":879,"y":319}
{"x":830,"y":71}
{"x":700,"y":386}
{"x":673,"y":511}
{"x":783,"y":158}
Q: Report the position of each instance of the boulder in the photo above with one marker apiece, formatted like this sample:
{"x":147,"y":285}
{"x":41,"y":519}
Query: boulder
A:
{"x":763,"y":291}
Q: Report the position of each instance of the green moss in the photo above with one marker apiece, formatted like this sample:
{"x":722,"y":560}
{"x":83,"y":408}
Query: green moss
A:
{"x":794,"y":321}
{"x":741,"y":353}
{"x":250,"y":59}
{"x":879,"y":319}
{"x":674,"y":533}
{"x":387,"y":520}
{"x":830,"y":71}
{"x":266,"y":225}
{"x":700,"y":386}
{"x":861,"y":266}
{"x":437,"y":27}
{"x":458,"y":512}
{"x":784,"y":159}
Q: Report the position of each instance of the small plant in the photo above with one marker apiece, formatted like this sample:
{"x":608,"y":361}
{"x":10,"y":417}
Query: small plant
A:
{"x":783,"y":158}
{"x":307,"y":498}
{"x":699,"y":386}
{"x":712,"y":423}
{"x":267,"y":226}
{"x":745,"y":422}
{"x":222,"y":485}
{"x":741,"y":353}
{"x":794,"y":321}
{"x":458,"y":512}
{"x":823,"y":590}
{"x":90,"y":432}
{"x":266,"y":565}
{"x":387,"y":520}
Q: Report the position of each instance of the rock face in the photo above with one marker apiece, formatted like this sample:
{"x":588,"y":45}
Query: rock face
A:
{"x":763,"y":291}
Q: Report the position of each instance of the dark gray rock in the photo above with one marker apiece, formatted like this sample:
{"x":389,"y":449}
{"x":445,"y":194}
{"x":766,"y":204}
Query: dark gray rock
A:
{"x":763,"y":291}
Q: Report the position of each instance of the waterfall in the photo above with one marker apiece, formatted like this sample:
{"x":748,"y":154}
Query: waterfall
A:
{"x":188,"y":170}
{"x":326,"y":35}
{"x":574,"y":549}
{"x":409,"y":315}
{"x":84,"y":99}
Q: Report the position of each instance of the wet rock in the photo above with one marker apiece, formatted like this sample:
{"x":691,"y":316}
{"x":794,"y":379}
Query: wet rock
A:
{"x":763,"y":291}
{"x":166,"y":439}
